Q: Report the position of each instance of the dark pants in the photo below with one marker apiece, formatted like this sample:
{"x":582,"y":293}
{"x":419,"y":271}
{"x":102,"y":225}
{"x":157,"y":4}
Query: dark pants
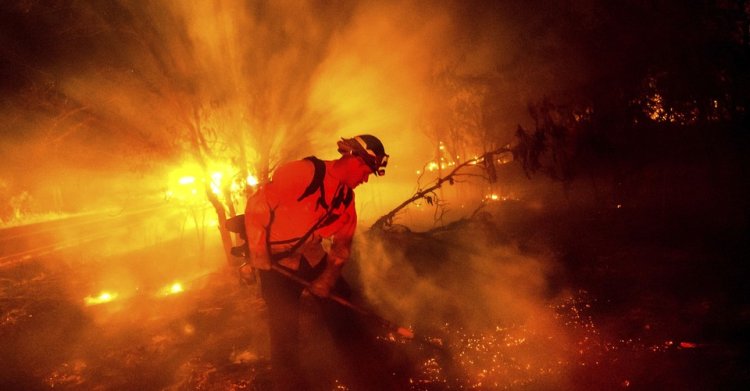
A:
{"x":352,"y":341}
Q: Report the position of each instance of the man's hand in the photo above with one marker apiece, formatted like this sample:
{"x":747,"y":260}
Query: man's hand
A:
{"x":322,"y":285}
{"x":260,"y":261}
{"x":320,"y":288}
{"x":247,"y":274}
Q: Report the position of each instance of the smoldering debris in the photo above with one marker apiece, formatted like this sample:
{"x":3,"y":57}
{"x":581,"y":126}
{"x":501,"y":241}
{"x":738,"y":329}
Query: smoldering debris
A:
{"x":483,"y":290}
{"x":496,"y":291}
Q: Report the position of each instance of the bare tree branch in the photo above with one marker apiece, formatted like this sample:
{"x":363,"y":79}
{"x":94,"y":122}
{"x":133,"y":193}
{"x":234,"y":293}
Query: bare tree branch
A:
{"x":386,"y":220}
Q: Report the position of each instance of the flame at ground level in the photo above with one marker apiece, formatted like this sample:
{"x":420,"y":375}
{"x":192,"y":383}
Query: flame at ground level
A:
{"x":104,"y":297}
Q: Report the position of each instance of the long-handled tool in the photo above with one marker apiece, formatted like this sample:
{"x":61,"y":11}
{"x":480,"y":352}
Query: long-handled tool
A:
{"x":400,"y":330}
{"x":237,"y":225}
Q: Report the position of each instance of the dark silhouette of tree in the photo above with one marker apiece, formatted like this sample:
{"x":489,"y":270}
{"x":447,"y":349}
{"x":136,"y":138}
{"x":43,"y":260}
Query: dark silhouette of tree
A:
{"x":667,"y":95}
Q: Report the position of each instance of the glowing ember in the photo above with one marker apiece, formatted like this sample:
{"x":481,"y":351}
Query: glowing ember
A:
{"x":688,"y":345}
{"x":252,"y":180}
{"x":68,"y":374}
{"x":104,"y":297}
{"x":406,"y":333}
{"x":339,"y":386}
{"x":520,"y":355}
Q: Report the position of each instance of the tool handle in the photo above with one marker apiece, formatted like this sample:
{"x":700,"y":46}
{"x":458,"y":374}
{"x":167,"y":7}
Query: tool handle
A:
{"x":403,"y":331}
{"x":338,"y":299}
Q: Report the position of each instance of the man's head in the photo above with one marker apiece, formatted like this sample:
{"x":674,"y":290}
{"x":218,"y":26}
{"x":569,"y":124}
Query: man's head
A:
{"x":368,"y":148}
{"x":363,"y":155}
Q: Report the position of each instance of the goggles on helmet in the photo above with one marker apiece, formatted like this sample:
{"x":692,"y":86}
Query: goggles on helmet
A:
{"x":369,"y":149}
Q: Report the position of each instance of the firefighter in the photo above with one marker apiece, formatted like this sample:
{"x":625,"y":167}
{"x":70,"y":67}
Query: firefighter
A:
{"x":303,"y":220}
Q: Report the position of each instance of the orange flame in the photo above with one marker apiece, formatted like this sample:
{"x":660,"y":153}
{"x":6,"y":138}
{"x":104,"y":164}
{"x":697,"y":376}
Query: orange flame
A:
{"x":104,"y":297}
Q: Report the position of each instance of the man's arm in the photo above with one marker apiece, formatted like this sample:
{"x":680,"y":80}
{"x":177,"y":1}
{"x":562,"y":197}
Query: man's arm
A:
{"x":338,"y":255}
{"x":257,"y":217}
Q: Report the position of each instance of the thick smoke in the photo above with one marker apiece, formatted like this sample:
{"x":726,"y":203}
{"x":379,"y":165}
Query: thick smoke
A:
{"x":128,"y":86}
{"x":467,"y":278}
{"x":103,"y":99}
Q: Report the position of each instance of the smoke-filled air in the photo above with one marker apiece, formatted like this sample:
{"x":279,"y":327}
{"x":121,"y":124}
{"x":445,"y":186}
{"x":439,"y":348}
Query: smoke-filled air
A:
{"x":564,"y":205}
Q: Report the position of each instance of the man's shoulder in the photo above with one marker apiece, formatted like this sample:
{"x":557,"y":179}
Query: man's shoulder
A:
{"x":294,"y":174}
{"x":295,"y":168}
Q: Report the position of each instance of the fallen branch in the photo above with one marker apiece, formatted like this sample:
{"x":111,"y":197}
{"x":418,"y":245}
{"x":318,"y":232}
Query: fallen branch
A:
{"x":386,"y":220}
